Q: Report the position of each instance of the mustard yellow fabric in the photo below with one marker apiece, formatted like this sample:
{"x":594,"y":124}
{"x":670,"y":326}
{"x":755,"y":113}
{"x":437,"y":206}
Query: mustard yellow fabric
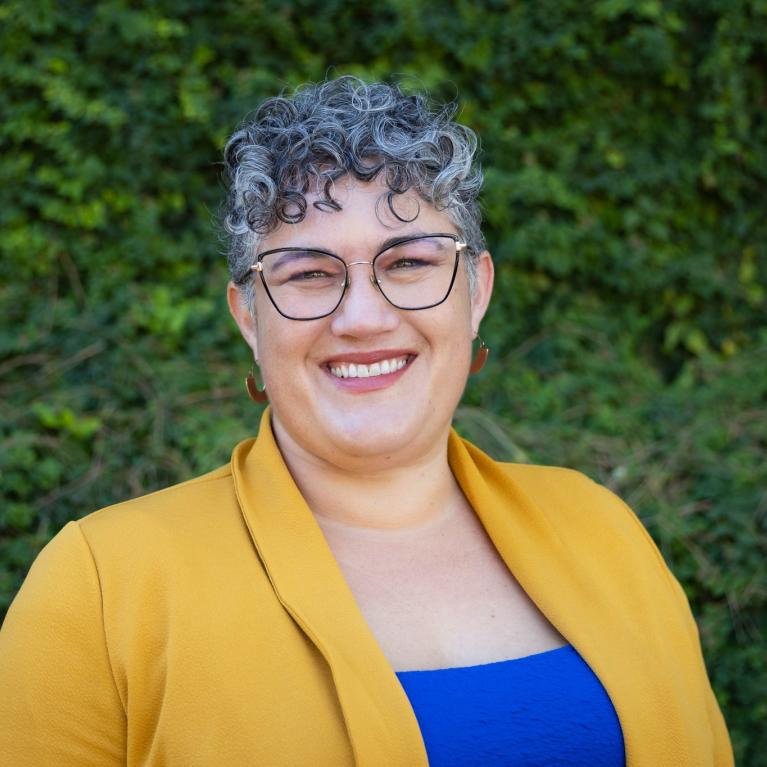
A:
{"x":209,"y":625}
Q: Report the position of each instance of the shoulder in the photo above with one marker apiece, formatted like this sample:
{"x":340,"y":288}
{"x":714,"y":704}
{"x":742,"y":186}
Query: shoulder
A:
{"x":144,"y":557}
{"x":568,"y":500}
{"x":192,"y":522}
{"x":592,"y":518}
{"x":585,"y":513}
{"x":568,"y":492}
{"x":597,"y":528}
{"x":204,"y":499}
{"x":551,"y":477}
{"x":564,"y":487}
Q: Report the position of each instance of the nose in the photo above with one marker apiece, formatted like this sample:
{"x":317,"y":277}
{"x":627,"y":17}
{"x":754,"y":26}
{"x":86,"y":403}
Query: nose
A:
{"x":363,"y":311}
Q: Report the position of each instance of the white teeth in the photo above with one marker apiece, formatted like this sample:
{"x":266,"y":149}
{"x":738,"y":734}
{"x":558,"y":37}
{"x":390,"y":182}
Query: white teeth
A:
{"x":350,"y":370}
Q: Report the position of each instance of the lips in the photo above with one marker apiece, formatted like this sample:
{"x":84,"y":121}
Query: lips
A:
{"x":368,"y":358}
{"x":352,"y":370}
{"x":368,"y":365}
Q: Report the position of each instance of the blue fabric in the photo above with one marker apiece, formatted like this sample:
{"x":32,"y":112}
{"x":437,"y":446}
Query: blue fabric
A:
{"x":543,"y":710}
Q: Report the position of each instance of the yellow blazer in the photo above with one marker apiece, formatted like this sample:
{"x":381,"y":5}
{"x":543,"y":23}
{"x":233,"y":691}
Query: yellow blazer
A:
{"x":209,"y":625}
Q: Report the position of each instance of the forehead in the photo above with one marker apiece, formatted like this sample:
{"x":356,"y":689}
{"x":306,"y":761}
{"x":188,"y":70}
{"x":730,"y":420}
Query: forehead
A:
{"x":365,"y":219}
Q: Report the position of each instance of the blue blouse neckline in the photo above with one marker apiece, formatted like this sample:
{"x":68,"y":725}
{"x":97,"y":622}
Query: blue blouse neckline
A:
{"x":536,"y":655}
{"x":548,"y":708}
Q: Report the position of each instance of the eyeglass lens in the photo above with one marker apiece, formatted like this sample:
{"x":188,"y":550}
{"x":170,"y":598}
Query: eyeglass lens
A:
{"x":414,"y":274}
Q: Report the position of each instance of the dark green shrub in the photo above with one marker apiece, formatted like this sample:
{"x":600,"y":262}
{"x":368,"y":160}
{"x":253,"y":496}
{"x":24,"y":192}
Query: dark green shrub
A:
{"x":625,"y":146}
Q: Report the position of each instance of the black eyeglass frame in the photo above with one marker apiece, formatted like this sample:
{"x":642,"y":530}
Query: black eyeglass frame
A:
{"x":460,"y":247}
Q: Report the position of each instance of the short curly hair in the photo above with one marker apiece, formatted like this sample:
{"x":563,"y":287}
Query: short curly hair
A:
{"x":339,"y":127}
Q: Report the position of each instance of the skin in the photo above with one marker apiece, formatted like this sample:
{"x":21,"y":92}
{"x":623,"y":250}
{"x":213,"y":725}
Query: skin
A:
{"x":372,"y":464}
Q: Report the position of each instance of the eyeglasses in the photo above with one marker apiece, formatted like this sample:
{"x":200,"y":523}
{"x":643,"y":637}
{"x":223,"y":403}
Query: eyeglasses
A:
{"x":412,"y":273}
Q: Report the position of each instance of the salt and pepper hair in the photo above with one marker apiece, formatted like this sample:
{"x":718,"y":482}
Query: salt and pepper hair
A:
{"x":302,"y":143}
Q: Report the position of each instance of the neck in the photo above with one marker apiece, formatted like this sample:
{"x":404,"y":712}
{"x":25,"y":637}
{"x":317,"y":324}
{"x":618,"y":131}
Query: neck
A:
{"x":405,"y":496}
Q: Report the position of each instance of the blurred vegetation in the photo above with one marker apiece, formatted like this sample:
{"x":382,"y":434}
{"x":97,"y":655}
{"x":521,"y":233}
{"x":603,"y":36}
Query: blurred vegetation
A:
{"x":625,"y":149}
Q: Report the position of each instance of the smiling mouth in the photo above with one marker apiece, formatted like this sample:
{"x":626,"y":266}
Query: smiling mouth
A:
{"x":358,"y":370}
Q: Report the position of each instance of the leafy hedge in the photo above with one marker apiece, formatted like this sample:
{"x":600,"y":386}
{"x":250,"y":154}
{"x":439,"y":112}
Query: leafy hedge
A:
{"x":625,"y":149}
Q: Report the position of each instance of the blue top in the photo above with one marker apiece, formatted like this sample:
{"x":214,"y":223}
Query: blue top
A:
{"x":543,"y":710}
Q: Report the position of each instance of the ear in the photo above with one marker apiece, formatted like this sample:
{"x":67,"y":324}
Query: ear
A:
{"x":483,"y":289}
{"x":242,"y":316}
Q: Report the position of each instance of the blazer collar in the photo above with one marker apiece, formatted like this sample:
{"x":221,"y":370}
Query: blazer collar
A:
{"x":306,"y":579}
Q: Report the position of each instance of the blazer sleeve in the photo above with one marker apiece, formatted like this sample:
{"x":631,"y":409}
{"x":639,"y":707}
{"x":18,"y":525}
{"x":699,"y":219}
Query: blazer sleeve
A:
{"x":59,"y":704}
{"x":720,"y":738}
{"x":722,"y":747}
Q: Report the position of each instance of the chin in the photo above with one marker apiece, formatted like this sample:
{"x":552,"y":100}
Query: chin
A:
{"x":363,"y":436}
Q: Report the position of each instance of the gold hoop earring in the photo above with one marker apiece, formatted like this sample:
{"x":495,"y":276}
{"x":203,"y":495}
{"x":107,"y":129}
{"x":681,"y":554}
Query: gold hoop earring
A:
{"x":480,"y":358}
{"x":256,"y":394}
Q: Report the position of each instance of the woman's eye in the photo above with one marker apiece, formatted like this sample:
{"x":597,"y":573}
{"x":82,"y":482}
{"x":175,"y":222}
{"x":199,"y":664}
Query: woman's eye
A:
{"x":311,"y":275}
{"x":408,"y":263}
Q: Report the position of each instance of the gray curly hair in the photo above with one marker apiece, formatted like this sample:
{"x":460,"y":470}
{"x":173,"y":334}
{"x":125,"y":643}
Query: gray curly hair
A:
{"x":340,"y":127}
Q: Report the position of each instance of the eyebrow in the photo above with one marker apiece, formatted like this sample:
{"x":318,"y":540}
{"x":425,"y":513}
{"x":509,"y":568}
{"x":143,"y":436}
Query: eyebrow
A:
{"x":294,"y":254}
{"x":395,"y":240}
{"x":388,"y":243}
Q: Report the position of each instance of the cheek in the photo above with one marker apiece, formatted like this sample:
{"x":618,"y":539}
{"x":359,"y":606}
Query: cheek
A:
{"x":284,"y":355}
{"x":460,"y":319}
{"x":451,"y":349}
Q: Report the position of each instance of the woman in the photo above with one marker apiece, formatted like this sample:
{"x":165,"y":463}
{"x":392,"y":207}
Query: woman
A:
{"x":358,"y":585}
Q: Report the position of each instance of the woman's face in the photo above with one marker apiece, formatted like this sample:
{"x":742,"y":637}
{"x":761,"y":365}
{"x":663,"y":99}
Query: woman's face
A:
{"x":382,"y":420}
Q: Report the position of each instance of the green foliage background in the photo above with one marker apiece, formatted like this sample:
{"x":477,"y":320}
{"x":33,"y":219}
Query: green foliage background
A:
{"x":625,"y":149}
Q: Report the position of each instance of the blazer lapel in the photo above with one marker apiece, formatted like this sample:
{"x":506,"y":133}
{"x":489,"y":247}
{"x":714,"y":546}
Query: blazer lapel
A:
{"x":380,"y":721}
{"x":591,"y":569}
